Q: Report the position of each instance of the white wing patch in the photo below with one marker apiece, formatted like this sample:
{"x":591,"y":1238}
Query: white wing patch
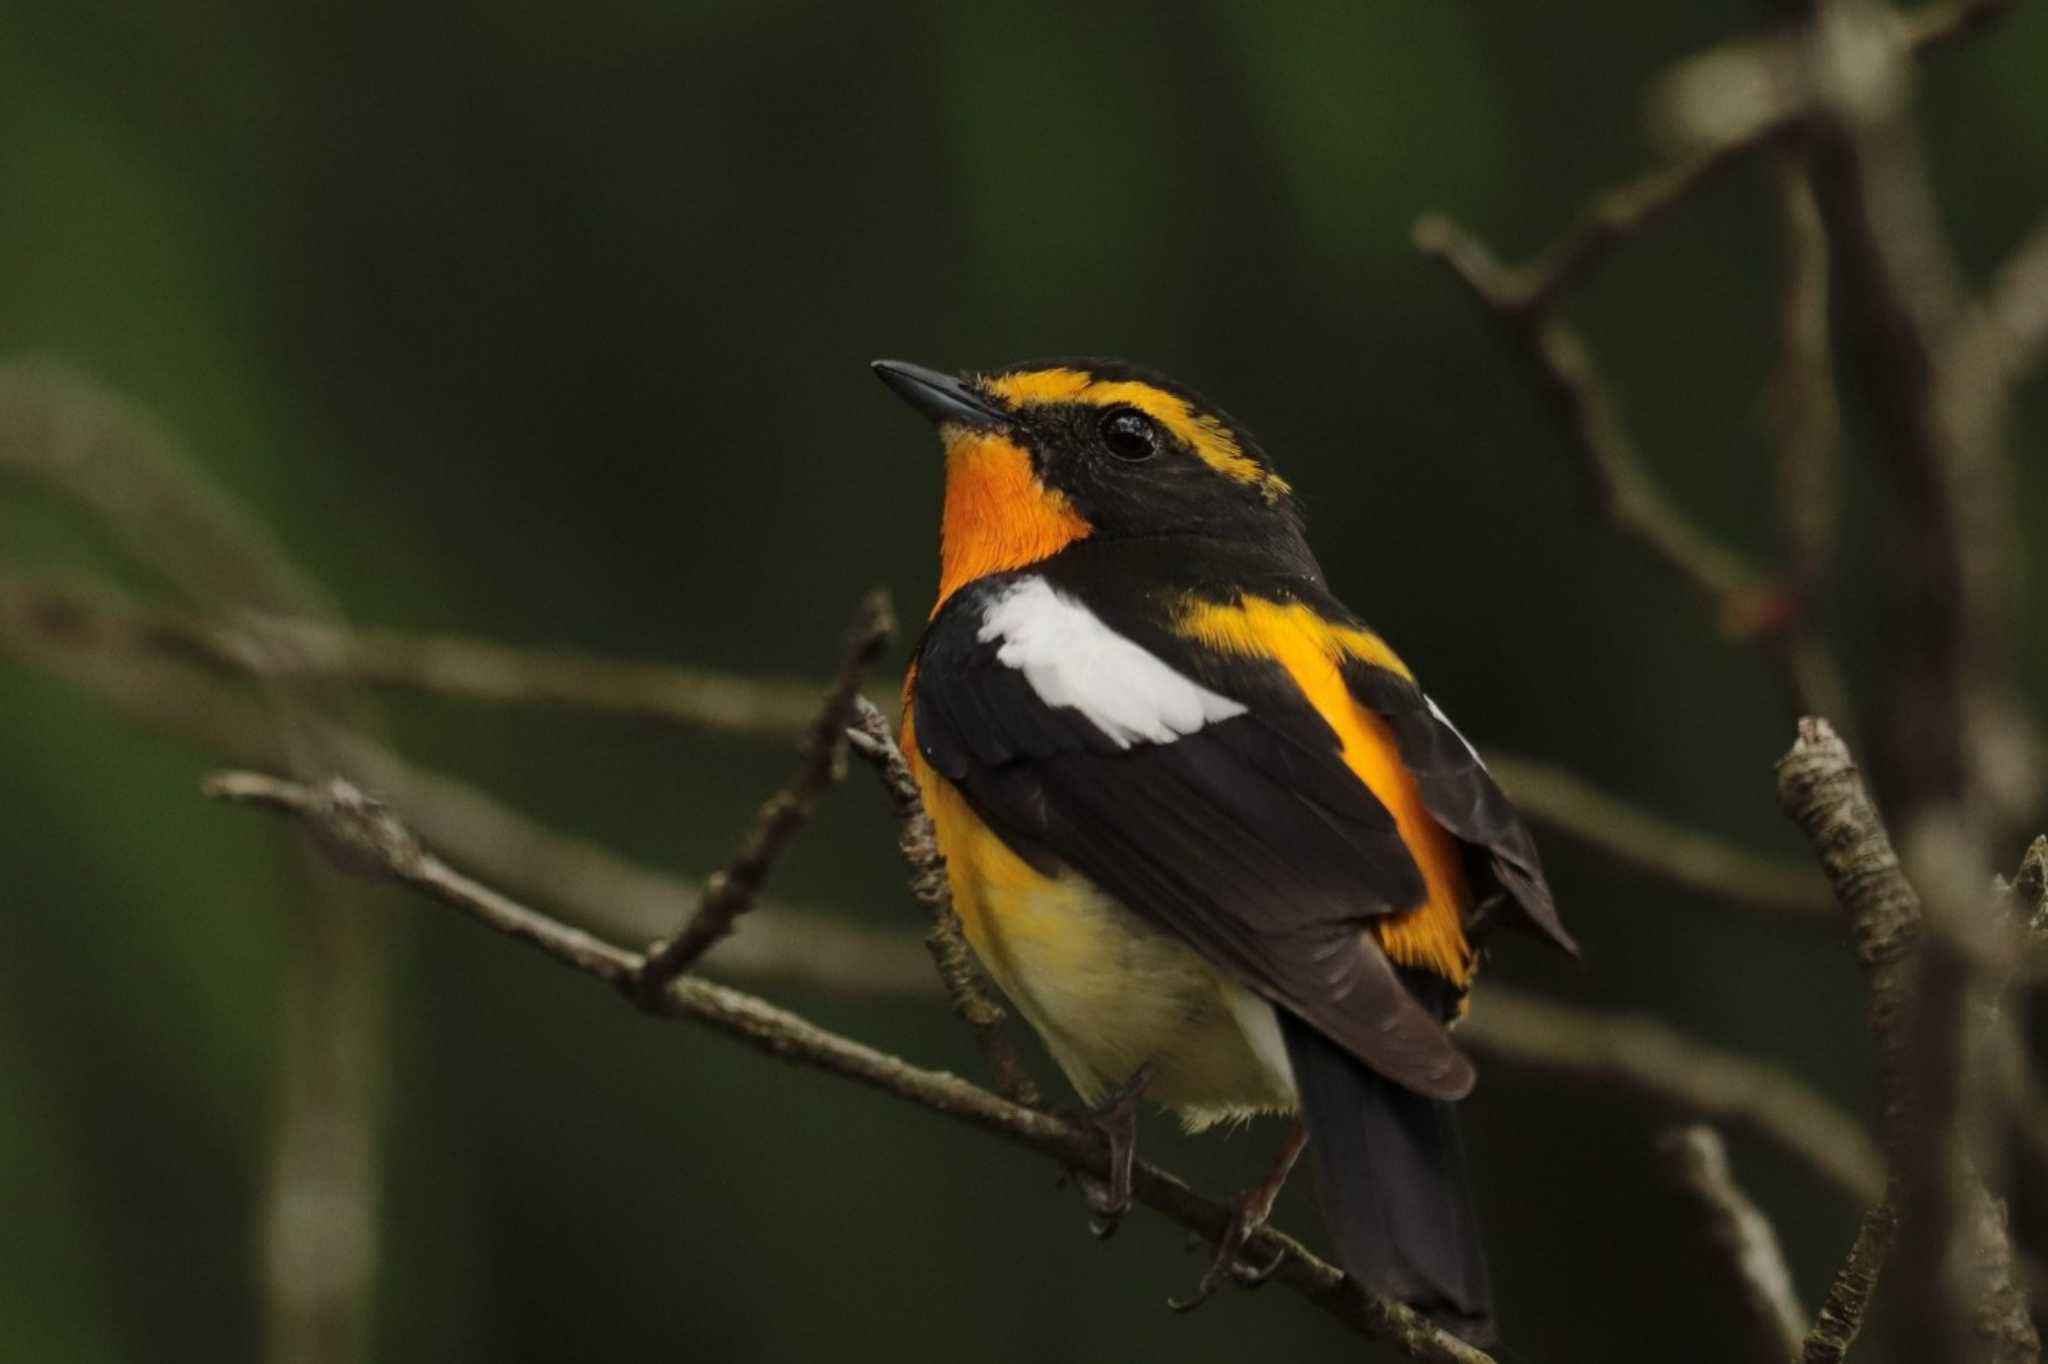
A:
{"x":1445,"y":720}
{"x":1073,"y":660}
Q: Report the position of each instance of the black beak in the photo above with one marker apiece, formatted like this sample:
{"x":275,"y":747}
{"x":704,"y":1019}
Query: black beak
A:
{"x":941,"y":397}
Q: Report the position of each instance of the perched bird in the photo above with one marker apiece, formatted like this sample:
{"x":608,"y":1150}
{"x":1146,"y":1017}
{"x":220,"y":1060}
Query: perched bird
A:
{"x":1202,"y":826}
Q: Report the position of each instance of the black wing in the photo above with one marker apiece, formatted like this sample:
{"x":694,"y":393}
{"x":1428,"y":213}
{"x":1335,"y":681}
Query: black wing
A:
{"x":1247,"y":837}
{"x":1461,"y":794}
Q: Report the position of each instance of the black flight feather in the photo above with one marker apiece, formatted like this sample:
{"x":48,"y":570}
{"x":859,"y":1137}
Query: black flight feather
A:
{"x":1461,"y":794}
{"x":1391,"y":1178}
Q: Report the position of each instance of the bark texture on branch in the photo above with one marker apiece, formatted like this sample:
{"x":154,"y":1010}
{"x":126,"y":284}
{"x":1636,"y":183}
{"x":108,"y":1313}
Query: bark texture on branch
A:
{"x":1840,"y":1319}
{"x":1822,"y":792}
{"x":966,"y":990}
{"x":1917,"y":1014}
{"x":366,"y":836}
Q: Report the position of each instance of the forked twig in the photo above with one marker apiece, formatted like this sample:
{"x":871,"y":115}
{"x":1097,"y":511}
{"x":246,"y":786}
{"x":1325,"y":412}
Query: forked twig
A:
{"x":730,"y":892}
{"x":367,"y":837}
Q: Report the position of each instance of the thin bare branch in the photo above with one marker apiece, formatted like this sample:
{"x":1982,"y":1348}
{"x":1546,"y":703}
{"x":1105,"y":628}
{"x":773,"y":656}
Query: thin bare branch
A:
{"x":603,"y":889}
{"x":1998,"y":1084}
{"x":607,"y":891}
{"x":1553,"y":798}
{"x":2000,"y":342}
{"x":2027,"y":895}
{"x":1822,"y":792}
{"x":1745,"y":1239}
{"x":367,"y":837}
{"x":1920,"y":1000}
{"x":2001,"y":1321}
{"x":1616,"y":216}
{"x":600,"y":888}
{"x":2019,"y":304}
{"x":1960,"y":734}
{"x":1935,"y":26}
{"x":66,"y":432}
{"x":1805,"y":412}
{"x":1992,"y":346}
{"x":41,"y":620}
{"x":872,"y":738}
{"x":1523,"y":301}
{"x":1840,"y":1319}
{"x":731,"y":892}
{"x":596,"y":886}
{"x":1561,"y":370}
{"x":1627,"y":211}
{"x":1962,"y":747}
{"x":1808,"y":422}
{"x":1742,"y":93}
{"x":1649,"y":1058}
{"x":285,"y":649}
{"x":77,"y":440}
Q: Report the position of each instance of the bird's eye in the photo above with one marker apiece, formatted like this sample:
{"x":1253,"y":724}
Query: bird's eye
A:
{"x":1130,"y":434}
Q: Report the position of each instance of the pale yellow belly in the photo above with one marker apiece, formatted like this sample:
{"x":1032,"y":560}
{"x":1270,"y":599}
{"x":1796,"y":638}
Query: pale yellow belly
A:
{"x":1109,"y":993}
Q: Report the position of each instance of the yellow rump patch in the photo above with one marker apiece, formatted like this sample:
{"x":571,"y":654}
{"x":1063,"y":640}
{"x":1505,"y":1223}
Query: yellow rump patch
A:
{"x":1209,"y":438}
{"x":1312,"y":650}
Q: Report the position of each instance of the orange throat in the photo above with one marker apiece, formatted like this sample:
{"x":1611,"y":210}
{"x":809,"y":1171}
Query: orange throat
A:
{"x":998,"y":515}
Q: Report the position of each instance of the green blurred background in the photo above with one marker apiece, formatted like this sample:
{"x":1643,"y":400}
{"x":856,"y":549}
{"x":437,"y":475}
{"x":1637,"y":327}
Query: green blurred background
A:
{"x":551,"y":324}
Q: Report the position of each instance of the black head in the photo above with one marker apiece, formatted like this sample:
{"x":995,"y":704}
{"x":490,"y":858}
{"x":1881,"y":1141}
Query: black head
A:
{"x":1128,"y":452}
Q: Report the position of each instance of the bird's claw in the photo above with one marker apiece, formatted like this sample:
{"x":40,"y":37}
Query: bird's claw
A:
{"x":1228,"y":1267}
{"x":1105,"y":1202}
{"x":1249,"y":1214}
{"x":1255,"y":1276}
{"x":1117,"y":1120}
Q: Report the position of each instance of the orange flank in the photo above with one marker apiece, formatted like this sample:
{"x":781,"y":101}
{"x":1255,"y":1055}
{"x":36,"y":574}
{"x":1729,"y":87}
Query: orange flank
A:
{"x":982,"y":858}
{"x":998,"y":516}
{"x":977,"y":861}
{"x":1430,"y":935}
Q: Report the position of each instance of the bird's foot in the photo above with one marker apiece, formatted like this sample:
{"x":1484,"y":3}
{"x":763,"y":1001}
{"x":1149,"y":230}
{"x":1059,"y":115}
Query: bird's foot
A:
{"x":1247,"y":1215}
{"x":1117,"y":1119}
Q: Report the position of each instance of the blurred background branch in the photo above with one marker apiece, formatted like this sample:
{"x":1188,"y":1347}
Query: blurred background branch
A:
{"x":42,"y":619}
{"x":1744,"y":1238}
{"x":733,"y":890}
{"x":611,"y":894}
{"x":85,"y":445}
{"x":1962,"y":749}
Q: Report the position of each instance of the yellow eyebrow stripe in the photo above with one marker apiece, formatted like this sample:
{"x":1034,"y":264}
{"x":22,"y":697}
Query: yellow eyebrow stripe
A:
{"x":1029,"y":388}
{"x":1208,"y":438}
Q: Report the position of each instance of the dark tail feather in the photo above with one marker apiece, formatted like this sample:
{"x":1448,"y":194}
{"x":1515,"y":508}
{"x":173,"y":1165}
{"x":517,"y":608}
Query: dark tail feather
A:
{"x":1390,"y":1174}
